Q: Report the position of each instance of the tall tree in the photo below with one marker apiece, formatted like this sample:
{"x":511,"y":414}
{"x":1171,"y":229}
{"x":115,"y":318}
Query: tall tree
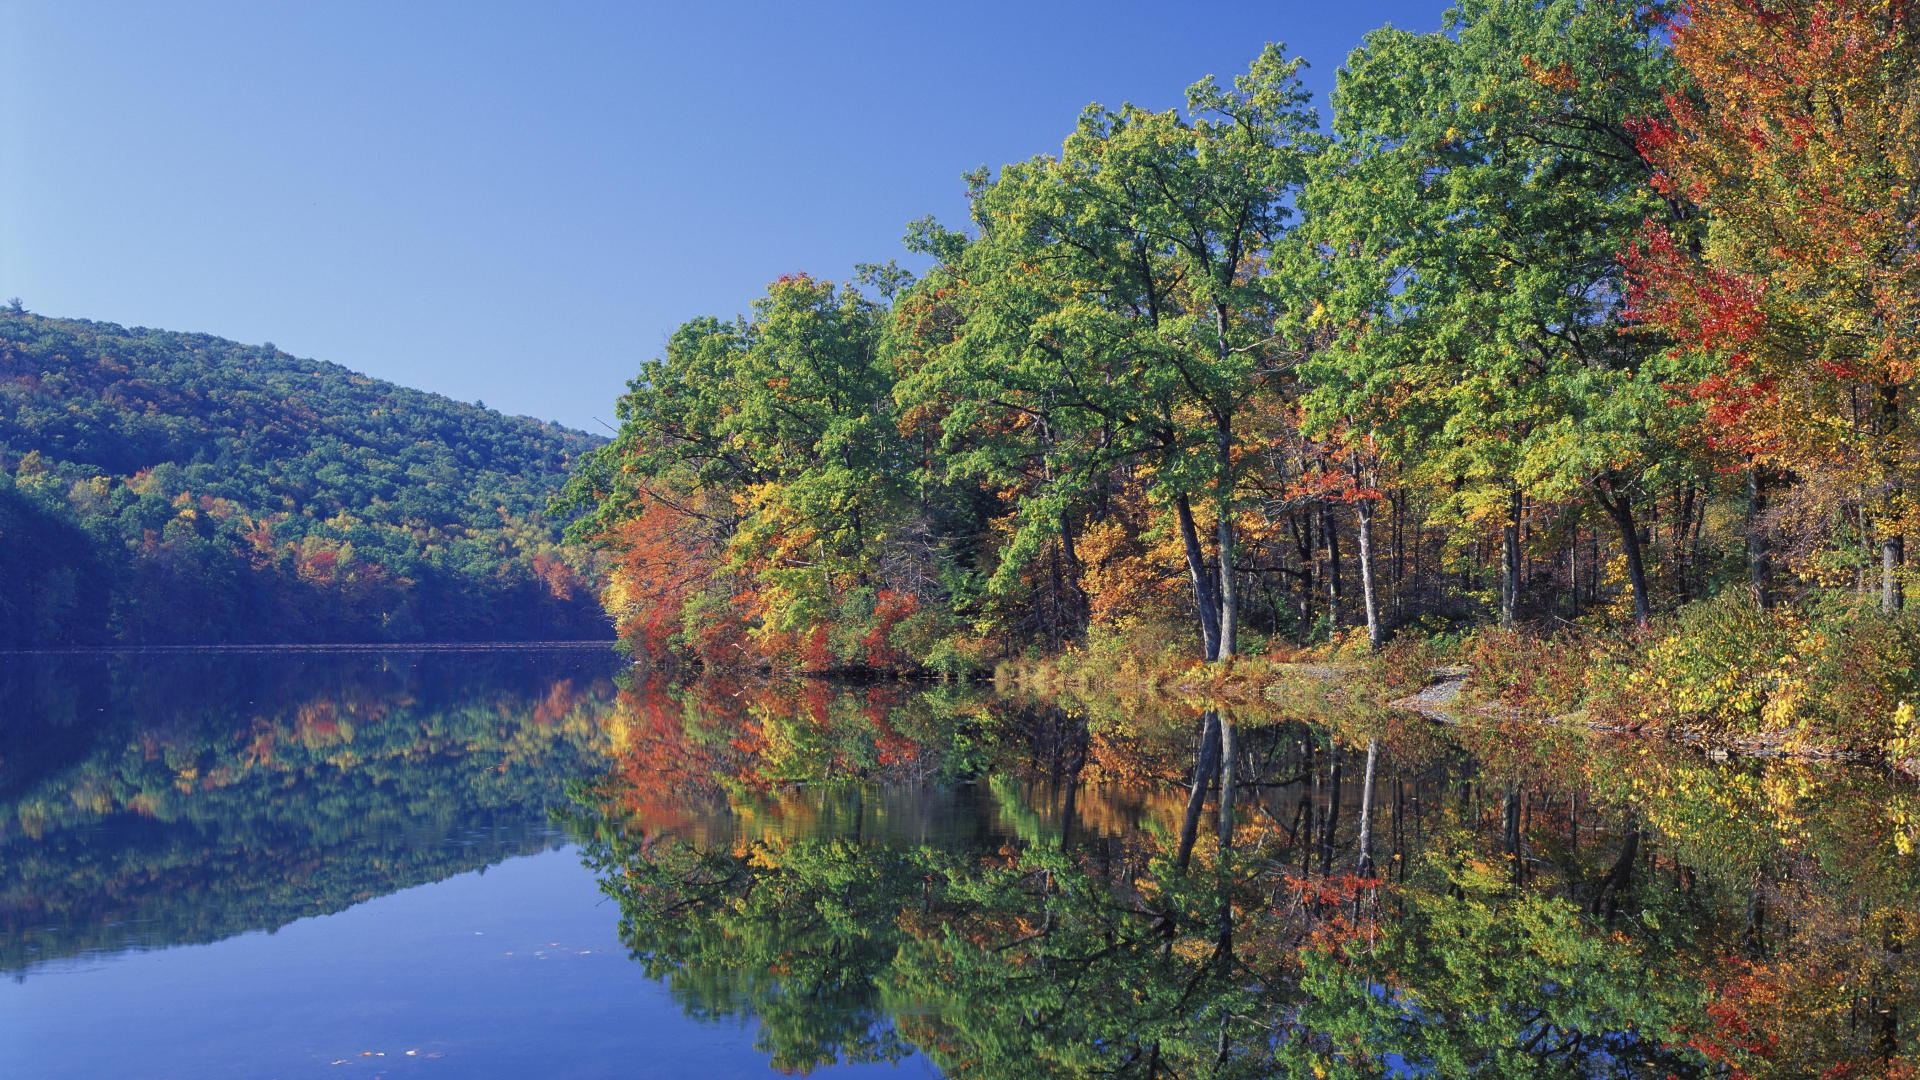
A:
{"x":1484,"y":183}
{"x":1797,"y":143}
{"x":1125,"y":296}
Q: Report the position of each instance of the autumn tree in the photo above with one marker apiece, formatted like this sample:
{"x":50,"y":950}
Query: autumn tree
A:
{"x":765,"y":450}
{"x":1795,"y":282}
{"x":1121,"y":300}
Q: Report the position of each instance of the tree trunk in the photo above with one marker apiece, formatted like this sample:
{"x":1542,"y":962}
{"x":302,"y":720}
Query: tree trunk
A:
{"x":1682,"y":554}
{"x":1399,"y":546}
{"x":1203,"y":595}
{"x":1204,"y":766}
{"x":1620,"y":509}
{"x":1510,"y":808}
{"x":1331,"y":537}
{"x":1076,"y":594}
{"x":1227,"y":750}
{"x":1302,"y":528}
{"x":1510,"y":562}
{"x":1606,"y":901}
{"x":1333,"y":815}
{"x":1364,"y":511}
{"x":1893,"y":552}
{"x":1365,"y":866}
{"x":1229,"y":590}
{"x":1893,"y":548}
{"x":1759,"y":560}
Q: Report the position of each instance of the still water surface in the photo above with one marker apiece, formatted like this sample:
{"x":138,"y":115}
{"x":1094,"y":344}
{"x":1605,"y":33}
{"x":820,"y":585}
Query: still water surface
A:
{"x":255,"y":865}
{"x":525,"y":863}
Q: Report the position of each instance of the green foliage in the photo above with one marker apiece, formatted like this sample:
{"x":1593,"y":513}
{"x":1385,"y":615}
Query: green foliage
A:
{"x":1471,"y":980}
{"x":178,"y":488}
{"x":1467,"y":230}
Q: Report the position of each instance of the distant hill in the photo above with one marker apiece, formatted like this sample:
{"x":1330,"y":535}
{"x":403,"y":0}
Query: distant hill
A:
{"x":167,"y":488}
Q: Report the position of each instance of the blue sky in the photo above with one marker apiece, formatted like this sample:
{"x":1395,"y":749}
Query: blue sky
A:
{"x":518,"y":204}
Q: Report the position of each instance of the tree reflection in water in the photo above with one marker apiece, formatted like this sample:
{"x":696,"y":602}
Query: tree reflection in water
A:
{"x":148,"y":801}
{"x":1022,"y":888}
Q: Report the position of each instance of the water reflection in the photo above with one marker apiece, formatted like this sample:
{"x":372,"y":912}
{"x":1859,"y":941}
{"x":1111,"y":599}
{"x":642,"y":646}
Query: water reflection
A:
{"x":1021,"y":888}
{"x":1006,"y":886}
{"x":148,"y":801}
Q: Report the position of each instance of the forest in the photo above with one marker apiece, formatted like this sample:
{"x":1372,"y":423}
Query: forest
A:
{"x":1578,"y":345}
{"x":163,"y":488}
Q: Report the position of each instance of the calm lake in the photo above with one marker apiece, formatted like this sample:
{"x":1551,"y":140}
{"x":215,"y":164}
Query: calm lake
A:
{"x":530,"y":862}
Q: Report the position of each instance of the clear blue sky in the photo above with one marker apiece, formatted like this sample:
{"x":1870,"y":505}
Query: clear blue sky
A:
{"x":518,"y":204}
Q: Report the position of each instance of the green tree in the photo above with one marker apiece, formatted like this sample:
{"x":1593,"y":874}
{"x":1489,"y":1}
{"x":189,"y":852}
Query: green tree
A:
{"x":1469,"y":222}
{"x":1121,"y":303}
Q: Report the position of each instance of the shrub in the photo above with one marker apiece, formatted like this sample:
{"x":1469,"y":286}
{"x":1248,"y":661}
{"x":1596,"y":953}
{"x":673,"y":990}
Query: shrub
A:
{"x":1525,"y":671}
{"x":1834,"y":674}
{"x":1855,"y":670}
{"x":1715,"y":671}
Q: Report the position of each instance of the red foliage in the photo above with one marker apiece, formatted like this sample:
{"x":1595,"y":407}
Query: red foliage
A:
{"x":889,"y":609}
{"x":1734,"y":1037}
{"x":815,"y":654}
{"x":1340,"y":909}
{"x":561,"y":582}
{"x":661,"y":562}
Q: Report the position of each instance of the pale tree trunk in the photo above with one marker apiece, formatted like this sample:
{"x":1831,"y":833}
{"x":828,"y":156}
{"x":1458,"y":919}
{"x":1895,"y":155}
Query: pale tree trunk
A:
{"x":1229,"y":591}
{"x":1227,"y":751}
{"x":1223,"y":939}
{"x":1229,"y":588}
{"x":1364,"y":511}
{"x":1365,"y":868}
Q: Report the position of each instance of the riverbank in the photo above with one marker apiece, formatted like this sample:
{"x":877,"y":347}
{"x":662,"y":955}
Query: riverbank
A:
{"x":1825,"y":682}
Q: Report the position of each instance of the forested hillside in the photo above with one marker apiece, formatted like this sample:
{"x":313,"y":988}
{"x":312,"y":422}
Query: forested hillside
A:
{"x":168,"y":488}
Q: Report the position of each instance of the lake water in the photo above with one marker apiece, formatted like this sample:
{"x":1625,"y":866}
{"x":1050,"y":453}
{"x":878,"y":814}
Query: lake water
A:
{"x":526,"y":862}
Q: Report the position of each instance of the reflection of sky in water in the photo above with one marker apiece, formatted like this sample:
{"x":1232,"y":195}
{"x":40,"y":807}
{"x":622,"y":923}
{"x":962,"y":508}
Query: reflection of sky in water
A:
{"x":514,"y":972}
{"x":266,"y":866}
{"x":288,"y":868}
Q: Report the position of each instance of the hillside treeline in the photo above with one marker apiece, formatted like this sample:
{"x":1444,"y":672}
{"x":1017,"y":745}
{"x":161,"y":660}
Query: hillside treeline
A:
{"x":166,"y":488}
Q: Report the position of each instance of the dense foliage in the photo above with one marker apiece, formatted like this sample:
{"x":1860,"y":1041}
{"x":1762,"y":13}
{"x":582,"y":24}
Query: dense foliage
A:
{"x":1378,"y":898}
{"x":1582,"y":312}
{"x":164,"y":488}
{"x":1579,"y":314}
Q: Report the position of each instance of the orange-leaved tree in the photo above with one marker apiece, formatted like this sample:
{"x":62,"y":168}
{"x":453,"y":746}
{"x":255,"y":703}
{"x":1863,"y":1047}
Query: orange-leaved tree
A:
{"x":1796,"y":148}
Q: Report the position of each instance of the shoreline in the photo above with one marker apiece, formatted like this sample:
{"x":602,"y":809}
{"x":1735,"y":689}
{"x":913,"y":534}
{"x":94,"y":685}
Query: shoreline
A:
{"x":1443,"y":700}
